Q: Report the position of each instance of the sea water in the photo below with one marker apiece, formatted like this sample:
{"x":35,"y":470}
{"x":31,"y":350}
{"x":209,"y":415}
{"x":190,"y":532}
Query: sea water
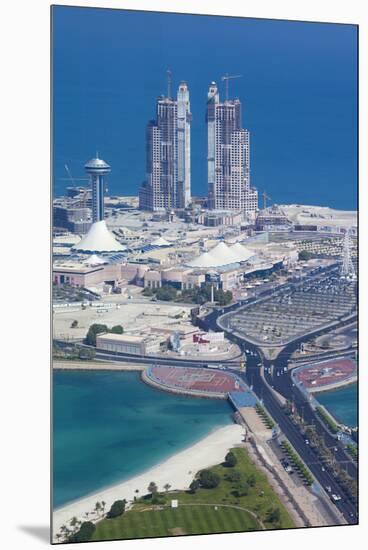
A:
{"x":298,"y":94}
{"x":342,"y":404}
{"x":110,"y":426}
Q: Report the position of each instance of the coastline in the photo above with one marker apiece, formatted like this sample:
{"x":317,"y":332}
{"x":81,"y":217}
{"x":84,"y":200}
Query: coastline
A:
{"x":178,"y":470}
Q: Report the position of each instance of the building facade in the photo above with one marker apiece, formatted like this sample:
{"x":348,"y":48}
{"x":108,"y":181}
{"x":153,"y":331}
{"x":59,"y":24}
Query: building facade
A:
{"x":228,"y":157}
{"x":167,"y":183}
{"x":126,"y":343}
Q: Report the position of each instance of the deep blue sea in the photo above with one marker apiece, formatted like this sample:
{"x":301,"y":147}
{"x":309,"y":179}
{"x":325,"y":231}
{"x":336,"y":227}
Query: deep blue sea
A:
{"x":342,"y":404}
{"x":109,"y":426}
{"x":298,"y":92}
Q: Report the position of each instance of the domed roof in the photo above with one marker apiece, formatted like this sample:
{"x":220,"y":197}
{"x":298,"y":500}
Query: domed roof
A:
{"x":96,"y":163}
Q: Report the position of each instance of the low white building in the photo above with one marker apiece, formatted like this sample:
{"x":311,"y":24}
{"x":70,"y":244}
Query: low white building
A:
{"x":126,"y":343}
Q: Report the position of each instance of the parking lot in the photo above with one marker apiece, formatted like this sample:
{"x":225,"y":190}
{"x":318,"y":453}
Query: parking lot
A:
{"x":299,"y":310}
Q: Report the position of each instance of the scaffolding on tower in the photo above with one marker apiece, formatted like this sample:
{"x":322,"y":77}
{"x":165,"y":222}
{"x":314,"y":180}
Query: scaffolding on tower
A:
{"x":347,"y":267}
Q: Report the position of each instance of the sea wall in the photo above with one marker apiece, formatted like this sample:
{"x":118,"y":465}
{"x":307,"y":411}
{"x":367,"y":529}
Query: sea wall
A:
{"x":96,"y":365}
{"x":335,"y":385}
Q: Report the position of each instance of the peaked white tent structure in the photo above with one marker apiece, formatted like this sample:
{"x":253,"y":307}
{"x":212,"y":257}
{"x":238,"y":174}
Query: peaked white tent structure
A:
{"x":98,"y":240}
{"x":160,"y":242}
{"x":222,"y":255}
{"x":94,"y":260}
{"x":204,"y":260}
{"x":242,"y":252}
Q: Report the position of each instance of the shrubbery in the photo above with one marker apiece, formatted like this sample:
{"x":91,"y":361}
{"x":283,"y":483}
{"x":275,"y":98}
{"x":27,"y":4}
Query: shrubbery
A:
{"x":194,"y":486}
{"x":298,"y":463}
{"x":85,"y":532}
{"x":265,"y":418}
{"x":273,"y":515}
{"x":96,"y":329}
{"x":197,"y":295}
{"x":352,"y":450}
{"x":117,"y":509}
{"x":208,"y":479}
{"x":230,"y":459}
{"x":331,"y":425}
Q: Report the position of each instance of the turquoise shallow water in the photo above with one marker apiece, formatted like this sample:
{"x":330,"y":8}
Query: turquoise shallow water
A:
{"x":109,"y":427}
{"x":342,"y":404}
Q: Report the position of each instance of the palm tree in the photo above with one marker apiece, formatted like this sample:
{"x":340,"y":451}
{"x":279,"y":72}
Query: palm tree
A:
{"x":74,"y":522}
{"x":167,"y":486}
{"x":103,"y":504}
{"x":98,"y":507}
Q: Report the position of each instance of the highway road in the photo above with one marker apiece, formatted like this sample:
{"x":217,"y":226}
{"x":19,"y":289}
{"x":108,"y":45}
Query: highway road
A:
{"x":281,"y":381}
{"x":325,"y":478}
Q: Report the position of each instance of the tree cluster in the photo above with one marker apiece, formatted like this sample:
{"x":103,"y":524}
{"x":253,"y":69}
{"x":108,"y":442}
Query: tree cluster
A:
{"x":197,"y":295}
{"x":230,"y":460}
{"x":273,"y":515}
{"x":304,"y":255}
{"x":97,"y":328}
{"x":209,"y":479}
{"x":85,"y":532}
{"x":117,"y":509}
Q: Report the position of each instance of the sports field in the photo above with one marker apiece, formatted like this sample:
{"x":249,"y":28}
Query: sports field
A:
{"x":186,"y":520}
{"x":197,"y":513}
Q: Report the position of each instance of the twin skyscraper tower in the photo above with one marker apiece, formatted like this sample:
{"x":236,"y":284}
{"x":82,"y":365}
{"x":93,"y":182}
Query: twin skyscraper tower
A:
{"x":168,"y":171}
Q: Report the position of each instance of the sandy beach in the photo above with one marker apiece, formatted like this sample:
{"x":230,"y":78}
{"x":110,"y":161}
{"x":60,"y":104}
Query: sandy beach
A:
{"x":178,"y":471}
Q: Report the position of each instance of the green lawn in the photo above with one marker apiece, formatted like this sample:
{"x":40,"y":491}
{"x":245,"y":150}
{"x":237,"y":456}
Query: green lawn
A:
{"x":196,"y":513}
{"x":185,"y":520}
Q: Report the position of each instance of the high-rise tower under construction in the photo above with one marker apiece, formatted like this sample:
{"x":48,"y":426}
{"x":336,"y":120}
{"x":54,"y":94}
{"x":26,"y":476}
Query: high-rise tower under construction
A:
{"x":167,"y":183}
{"x":228,"y":159}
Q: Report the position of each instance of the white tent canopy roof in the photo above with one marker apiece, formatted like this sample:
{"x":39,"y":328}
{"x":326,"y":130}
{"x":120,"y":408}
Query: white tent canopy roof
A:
{"x":99,"y":239}
{"x":242,"y":252}
{"x":222,"y":255}
{"x":94,"y":260}
{"x":204,"y":260}
{"x":160,"y":242}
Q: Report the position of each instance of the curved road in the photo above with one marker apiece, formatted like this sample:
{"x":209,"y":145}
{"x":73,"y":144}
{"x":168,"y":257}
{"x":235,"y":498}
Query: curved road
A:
{"x":285,"y":386}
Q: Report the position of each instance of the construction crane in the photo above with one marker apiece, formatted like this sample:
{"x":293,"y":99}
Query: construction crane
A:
{"x":169,"y":80}
{"x":226,"y":79}
{"x":70,"y":178}
{"x":265,"y":197}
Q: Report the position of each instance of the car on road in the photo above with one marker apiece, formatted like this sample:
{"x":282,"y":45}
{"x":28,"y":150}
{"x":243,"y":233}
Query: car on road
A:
{"x":306,"y":441}
{"x":328,"y":488}
{"x":335,"y":498}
